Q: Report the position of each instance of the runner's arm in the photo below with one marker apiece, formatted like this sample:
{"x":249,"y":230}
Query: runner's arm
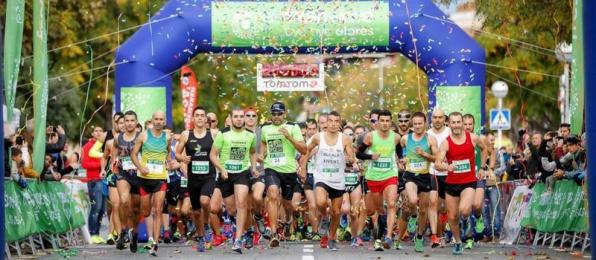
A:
{"x":180,"y":148}
{"x":106,"y":155}
{"x":349,"y":148}
{"x":361,"y":153}
{"x":314,"y":142}
{"x":262,"y":152}
{"x":434,"y":148}
{"x":134,"y":156}
{"x":440,"y":164}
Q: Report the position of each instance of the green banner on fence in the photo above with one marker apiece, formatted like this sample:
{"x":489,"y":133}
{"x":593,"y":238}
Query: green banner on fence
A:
{"x":46,"y":207}
{"x":563,"y":209}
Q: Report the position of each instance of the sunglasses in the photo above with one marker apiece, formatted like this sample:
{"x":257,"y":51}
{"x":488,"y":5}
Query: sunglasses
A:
{"x":251,"y":115}
{"x":277,"y":113}
{"x":404,"y":115}
{"x":403,"y":121}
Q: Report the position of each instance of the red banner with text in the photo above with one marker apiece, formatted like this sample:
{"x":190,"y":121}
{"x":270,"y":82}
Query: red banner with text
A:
{"x":188,"y":87}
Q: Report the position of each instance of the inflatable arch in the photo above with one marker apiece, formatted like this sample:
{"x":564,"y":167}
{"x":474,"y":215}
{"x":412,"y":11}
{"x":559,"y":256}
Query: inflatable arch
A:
{"x":452,"y":61}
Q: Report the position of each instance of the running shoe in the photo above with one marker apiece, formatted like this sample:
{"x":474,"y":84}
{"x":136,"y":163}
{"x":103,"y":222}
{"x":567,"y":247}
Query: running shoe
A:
{"x":218,"y":240}
{"x":458,"y":249}
{"x":111,"y":240}
{"x":256,"y":238}
{"x":387,"y":243}
{"x":120,"y":242}
{"x":359,"y":241}
{"x":274,"y":241}
{"x":149,"y":244}
{"x":324,"y":242}
{"x":248,"y":243}
{"x":397,"y":245}
{"x":153,"y":250}
{"x":260,"y":224}
{"x":354,"y":243}
{"x":435,"y":241}
{"x":267,"y":234}
{"x":201,"y":244}
{"x":412,"y":224}
{"x":378,"y":245}
{"x":469,"y":244}
{"x":167,"y":237}
{"x":134,"y":241}
{"x":316,"y":237}
{"x":479,"y":225}
{"x":332,"y":245}
{"x":237,"y":246}
{"x":418,"y":244}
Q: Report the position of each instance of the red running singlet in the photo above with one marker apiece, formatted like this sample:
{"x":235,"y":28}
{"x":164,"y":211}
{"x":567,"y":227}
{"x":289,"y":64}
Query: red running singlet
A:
{"x":463,"y":159}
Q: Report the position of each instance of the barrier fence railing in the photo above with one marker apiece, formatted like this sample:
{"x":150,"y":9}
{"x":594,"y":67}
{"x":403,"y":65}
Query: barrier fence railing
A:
{"x":53,"y":214}
{"x":44,"y":214}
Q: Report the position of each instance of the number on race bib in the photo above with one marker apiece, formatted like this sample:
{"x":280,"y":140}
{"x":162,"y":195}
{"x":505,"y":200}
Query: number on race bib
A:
{"x":155,"y":166}
{"x":462,"y":166}
{"x":382,"y":163}
{"x":127,"y":164}
{"x":418,"y":166}
{"x":351,"y":179}
{"x":233,"y":166}
{"x":200,"y":167}
{"x":183,"y":182}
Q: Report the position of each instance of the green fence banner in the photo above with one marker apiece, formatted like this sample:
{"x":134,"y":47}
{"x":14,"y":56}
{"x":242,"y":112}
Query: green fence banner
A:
{"x":42,"y":207}
{"x":563,"y":209}
{"x":13,"y":41}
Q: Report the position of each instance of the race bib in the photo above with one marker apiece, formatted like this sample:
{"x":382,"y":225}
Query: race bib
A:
{"x":462,"y":166}
{"x":233,"y":166}
{"x":276,"y":152}
{"x":200,"y":167}
{"x":311,"y":166}
{"x":351,"y":179}
{"x":418,"y":166}
{"x":127,"y":164}
{"x":382,"y":163}
{"x":329,"y":172}
{"x":183,"y":182}
{"x":155,"y":166}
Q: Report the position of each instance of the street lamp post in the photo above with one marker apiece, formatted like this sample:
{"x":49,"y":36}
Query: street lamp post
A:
{"x":499,"y":90}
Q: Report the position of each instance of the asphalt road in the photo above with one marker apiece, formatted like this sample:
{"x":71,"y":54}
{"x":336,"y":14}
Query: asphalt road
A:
{"x":311,"y":251}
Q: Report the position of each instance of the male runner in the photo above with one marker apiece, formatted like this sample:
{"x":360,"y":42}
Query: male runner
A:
{"x":257,"y":184}
{"x":155,"y":145}
{"x":419,"y":150}
{"x":437,"y":197}
{"x":381,"y":175}
{"x":334,"y":151}
{"x":280,"y":141}
{"x":127,"y":181}
{"x":478,"y":204}
{"x":193,"y":149}
{"x":461,"y":180}
{"x":308,"y":185}
{"x":233,"y":154}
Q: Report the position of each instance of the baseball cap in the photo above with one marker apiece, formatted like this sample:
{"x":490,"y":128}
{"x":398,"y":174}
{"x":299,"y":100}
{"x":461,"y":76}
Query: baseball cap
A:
{"x":278,"y":107}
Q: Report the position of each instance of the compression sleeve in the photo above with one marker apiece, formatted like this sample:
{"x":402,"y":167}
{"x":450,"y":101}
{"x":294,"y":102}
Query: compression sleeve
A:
{"x":361,"y":153}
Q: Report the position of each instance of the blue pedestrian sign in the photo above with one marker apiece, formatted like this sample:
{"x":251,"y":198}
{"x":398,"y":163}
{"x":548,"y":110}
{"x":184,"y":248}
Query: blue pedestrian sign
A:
{"x":500,"y":119}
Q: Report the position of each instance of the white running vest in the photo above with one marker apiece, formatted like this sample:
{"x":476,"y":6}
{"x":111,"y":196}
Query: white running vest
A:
{"x":440,"y":137}
{"x":330,"y":162}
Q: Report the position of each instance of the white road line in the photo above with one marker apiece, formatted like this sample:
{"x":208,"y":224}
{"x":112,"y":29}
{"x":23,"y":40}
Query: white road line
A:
{"x":308,"y":250}
{"x":308,"y":257}
{"x":308,"y":246}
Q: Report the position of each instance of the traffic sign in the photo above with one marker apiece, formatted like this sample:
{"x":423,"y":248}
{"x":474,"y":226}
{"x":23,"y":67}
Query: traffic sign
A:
{"x":500,"y":119}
